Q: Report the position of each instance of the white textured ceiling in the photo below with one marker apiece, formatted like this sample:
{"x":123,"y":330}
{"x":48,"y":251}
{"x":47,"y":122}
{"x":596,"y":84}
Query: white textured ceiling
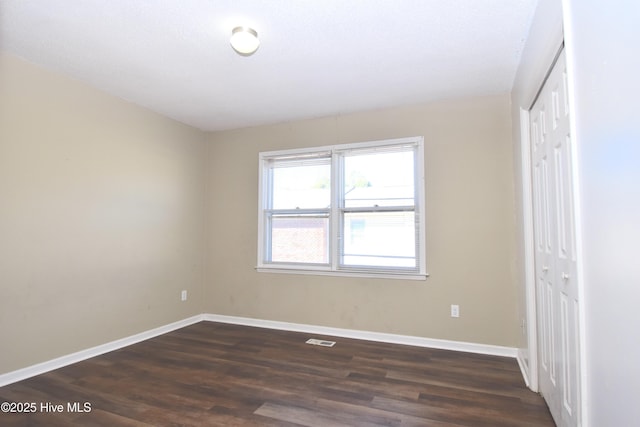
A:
{"x":317,"y":57}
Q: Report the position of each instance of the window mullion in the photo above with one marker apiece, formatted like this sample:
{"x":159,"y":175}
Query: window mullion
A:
{"x":336,"y":196}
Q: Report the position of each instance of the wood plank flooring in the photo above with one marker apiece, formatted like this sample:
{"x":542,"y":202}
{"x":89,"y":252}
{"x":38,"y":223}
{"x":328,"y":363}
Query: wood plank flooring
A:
{"x":214,"y":374}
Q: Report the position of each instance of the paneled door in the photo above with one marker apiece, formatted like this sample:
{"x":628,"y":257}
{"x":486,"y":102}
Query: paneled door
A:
{"x":557,"y":302}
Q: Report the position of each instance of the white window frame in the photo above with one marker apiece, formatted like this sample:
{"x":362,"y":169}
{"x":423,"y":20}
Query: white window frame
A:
{"x":333,"y":268}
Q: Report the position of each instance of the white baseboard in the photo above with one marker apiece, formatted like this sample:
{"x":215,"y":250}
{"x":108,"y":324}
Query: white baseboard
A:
{"x":492,"y":350}
{"x":41,"y":368}
{"x":524,"y":369}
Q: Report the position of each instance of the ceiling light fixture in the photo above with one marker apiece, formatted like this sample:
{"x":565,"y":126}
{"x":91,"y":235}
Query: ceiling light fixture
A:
{"x":244,"y":40}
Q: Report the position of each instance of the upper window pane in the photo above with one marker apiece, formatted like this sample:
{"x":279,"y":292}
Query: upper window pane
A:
{"x":379,"y":179}
{"x":302,"y":186}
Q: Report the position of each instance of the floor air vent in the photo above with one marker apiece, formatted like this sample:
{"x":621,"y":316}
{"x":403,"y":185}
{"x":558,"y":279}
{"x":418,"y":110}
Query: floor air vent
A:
{"x":322,"y":343}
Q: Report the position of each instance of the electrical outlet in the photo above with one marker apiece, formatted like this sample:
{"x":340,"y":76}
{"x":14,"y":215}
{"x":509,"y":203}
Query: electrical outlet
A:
{"x":455,"y":310}
{"x":183,"y":296}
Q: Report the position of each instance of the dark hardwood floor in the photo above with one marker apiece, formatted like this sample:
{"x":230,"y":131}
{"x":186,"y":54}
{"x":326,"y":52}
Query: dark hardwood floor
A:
{"x":214,"y":374}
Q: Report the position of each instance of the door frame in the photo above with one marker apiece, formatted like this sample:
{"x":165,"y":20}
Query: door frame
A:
{"x":531,"y":369}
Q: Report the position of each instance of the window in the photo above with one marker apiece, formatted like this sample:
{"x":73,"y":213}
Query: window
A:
{"x":353,"y":209}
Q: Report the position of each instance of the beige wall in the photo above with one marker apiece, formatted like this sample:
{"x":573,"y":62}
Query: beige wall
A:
{"x":101,"y":217}
{"x":107,"y":211}
{"x":470,"y":228}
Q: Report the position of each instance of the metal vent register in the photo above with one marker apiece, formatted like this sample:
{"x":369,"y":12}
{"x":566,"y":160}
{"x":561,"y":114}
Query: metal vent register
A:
{"x":322,"y":343}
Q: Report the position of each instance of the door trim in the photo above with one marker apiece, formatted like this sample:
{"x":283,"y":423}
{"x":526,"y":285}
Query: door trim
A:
{"x":531,"y":374}
{"x":584,"y":418}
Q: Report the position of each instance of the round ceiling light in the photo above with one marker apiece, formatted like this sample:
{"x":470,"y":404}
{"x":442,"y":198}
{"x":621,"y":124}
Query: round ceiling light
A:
{"x":244,"y":40}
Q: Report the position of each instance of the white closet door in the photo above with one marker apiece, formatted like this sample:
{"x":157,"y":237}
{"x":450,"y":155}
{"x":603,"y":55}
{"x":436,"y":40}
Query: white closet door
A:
{"x":558,"y":304}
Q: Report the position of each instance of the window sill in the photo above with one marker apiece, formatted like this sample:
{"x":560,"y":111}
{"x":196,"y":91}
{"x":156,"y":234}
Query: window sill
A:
{"x":342,"y":273}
